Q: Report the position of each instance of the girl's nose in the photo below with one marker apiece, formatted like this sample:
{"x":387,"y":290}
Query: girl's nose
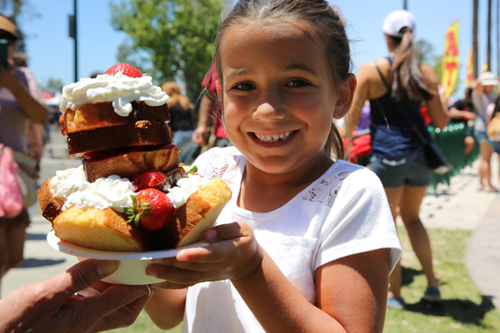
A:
{"x":268,"y":111}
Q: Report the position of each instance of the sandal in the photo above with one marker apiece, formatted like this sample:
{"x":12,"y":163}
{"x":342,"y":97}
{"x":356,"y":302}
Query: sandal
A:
{"x":396,"y":303}
{"x":432,"y":294}
{"x":491,"y":189}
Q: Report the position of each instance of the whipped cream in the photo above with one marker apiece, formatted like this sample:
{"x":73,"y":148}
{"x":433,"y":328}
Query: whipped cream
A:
{"x":119,"y":89}
{"x":111,"y":192}
{"x":179,"y":194}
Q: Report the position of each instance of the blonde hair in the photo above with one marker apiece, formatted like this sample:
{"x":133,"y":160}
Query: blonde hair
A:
{"x":323,"y":22}
{"x":174,"y":92}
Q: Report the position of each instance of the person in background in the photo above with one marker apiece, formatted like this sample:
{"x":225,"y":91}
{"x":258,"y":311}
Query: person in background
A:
{"x":462,"y":111}
{"x":181,"y":121}
{"x":56,"y":306}
{"x":307,"y":241}
{"x":482,"y":89}
{"x":395,"y":84}
{"x":210,"y":110}
{"x":494,"y":110}
{"x":37,"y":133}
{"x":20,"y":106}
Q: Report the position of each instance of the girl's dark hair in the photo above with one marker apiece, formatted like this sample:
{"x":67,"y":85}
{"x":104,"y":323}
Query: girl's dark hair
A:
{"x":407,"y":80}
{"x":323,"y":23}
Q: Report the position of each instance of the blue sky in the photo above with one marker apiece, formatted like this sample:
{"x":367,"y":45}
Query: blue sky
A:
{"x":50,"y":49}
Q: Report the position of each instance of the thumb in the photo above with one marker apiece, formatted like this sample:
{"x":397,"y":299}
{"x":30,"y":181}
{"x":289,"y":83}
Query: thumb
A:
{"x":84,"y":274}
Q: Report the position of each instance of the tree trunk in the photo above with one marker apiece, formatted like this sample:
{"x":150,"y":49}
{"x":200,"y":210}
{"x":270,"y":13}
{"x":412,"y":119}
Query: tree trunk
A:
{"x":474,"y":39}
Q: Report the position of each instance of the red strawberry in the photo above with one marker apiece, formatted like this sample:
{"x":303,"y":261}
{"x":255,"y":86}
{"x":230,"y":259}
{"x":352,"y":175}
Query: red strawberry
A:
{"x":151,"y":210}
{"x":148,"y":179}
{"x":126,"y":69}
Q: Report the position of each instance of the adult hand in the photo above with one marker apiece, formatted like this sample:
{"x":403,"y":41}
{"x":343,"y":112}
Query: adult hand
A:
{"x":233,"y":254}
{"x":51,"y":306}
{"x":200,"y":135}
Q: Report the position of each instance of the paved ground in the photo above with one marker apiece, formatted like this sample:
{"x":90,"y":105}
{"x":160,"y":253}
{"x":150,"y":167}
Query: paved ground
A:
{"x":458,"y":206}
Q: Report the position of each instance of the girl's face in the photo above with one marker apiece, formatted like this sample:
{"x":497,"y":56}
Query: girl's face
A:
{"x":278,"y":96}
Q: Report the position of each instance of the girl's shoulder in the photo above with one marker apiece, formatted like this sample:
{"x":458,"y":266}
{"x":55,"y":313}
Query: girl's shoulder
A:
{"x":225,"y":163}
{"x":342,"y":178}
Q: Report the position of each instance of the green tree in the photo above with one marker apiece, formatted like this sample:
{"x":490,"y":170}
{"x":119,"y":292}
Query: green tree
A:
{"x":14,"y":9}
{"x":168,"y":39}
{"x":427,"y":56}
{"x":53,"y":84}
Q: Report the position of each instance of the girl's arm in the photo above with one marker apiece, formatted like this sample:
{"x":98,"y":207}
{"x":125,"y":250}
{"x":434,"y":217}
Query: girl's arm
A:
{"x":166,"y":307}
{"x":351,"y":296}
{"x":436,"y":106}
{"x":352,"y":292}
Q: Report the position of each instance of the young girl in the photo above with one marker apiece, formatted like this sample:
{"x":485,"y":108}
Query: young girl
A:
{"x":314,"y":240}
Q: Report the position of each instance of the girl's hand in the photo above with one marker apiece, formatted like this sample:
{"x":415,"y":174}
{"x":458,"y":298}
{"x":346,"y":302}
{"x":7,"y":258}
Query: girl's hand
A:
{"x":233,"y":254}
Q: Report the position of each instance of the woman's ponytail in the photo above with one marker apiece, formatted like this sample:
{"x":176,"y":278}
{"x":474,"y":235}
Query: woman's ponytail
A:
{"x":408,"y":82}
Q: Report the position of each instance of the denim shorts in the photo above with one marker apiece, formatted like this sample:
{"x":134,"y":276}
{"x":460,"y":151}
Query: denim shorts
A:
{"x":410,"y":169}
{"x":496,"y":146}
{"x":481,"y":137}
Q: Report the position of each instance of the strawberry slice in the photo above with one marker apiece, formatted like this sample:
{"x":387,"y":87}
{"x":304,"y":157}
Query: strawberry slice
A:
{"x":152,"y":209}
{"x":125,"y":69}
{"x":148,"y":179}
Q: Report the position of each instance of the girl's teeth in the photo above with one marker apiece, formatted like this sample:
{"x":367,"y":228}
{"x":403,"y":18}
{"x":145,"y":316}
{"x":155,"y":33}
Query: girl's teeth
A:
{"x":273,"y":138}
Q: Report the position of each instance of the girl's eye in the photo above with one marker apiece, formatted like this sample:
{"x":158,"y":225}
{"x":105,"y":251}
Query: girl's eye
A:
{"x":244,"y":86}
{"x":297,"y":83}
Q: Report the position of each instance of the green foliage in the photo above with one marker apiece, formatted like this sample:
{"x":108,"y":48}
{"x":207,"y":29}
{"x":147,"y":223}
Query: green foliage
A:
{"x":427,"y":57}
{"x":53,"y":84}
{"x":169,"y":39}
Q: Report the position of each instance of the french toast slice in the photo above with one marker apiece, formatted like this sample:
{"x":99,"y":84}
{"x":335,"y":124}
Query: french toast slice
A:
{"x":140,"y":133}
{"x":133,"y":162}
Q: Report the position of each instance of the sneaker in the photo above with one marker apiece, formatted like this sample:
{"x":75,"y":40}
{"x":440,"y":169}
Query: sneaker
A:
{"x":396,"y":303}
{"x":432,"y":294}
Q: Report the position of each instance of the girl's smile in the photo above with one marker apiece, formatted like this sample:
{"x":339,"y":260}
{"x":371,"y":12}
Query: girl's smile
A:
{"x":278,"y":96}
{"x":273,"y":137}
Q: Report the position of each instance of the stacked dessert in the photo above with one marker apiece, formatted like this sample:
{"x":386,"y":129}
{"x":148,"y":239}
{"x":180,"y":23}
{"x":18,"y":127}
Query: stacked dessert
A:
{"x":130,"y":194}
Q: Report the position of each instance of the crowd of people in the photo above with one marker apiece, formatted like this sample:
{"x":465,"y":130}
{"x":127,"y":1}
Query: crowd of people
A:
{"x":308,"y":242}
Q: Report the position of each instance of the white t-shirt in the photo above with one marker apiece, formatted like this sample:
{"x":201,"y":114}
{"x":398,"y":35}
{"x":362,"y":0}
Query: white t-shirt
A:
{"x":343,"y":212}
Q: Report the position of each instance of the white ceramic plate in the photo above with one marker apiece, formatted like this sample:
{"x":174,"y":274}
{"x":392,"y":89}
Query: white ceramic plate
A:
{"x":132,"y":264}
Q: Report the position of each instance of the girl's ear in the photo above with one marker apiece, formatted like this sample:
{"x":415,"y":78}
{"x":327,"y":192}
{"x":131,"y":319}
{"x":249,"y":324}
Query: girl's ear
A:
{"x":346,"y":95}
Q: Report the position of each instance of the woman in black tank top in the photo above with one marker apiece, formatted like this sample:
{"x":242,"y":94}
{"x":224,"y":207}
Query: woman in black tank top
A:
{"x":396,"y":84}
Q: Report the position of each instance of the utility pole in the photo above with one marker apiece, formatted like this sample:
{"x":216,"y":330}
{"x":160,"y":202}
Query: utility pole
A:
{"x":474,"y":40}
{"x":405,"y":4}
{"x":488,"y":49}
{"x":73,"y":34}
{"x":498,"y":38}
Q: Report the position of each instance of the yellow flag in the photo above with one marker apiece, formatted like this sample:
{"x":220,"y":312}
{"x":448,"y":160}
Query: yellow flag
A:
{"x":470,"y":71}
{"x":485,"y":67}
{"x":449,"y":71}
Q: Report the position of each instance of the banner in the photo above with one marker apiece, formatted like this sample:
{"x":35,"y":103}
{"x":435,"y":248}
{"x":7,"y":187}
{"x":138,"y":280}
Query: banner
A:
{"x":470,"y":70}
{"x":485,"y":67}
{"x":449,"y":71}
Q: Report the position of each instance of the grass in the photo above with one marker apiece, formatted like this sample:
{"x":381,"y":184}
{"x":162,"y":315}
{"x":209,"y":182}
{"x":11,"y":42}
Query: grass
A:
{"x":463,"y":309}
